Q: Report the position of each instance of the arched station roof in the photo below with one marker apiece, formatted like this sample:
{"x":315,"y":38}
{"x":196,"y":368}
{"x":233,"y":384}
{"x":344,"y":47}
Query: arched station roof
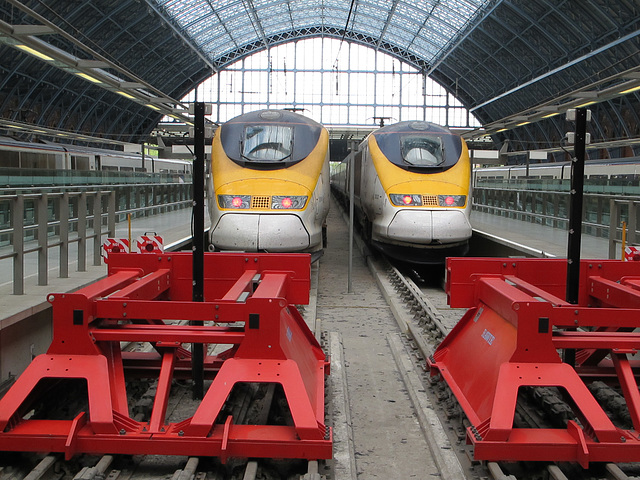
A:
{"x":114,"y":67}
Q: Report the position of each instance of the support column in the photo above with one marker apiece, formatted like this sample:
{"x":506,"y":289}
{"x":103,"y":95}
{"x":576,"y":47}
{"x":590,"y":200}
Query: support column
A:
{"x":64,"y":235}
{"x":82,"y":232}
{"x":17,"y":223}
{"x":97,"y":228}
{"x":43,"y":237}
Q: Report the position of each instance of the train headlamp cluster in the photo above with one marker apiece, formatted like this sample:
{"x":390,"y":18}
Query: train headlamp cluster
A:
{"x":234,"y":201}
{"x":402,"y":200}
{"x":412,"y":200}
{"x":295,"y":202}
{"x":452,"y":200}
{"x":278,"y":202}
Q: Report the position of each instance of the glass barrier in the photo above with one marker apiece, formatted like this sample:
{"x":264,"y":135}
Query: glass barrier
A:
{"x":19,"y":177}
{"x":613,"y":186}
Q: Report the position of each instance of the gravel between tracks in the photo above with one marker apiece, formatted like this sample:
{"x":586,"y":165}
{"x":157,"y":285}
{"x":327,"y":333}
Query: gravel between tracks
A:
{"x":388,"y":441}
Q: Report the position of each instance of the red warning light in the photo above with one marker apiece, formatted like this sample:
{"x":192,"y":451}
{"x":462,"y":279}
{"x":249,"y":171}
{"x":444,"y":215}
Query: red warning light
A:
{"x":236,"y":202}
{"x":286,"y":202}
{"x":449,"y":200}
{"x":407,"y":200}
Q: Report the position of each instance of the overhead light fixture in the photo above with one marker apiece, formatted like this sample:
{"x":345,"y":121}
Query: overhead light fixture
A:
{"x":629,"y":90}
{"x":125,"y":94}
{"x":88,"y":77}
{"x":585,"y":104}
{"x":549,"y":115}
{"x":523,"y":123}
{"x":152,"y":106}
{"x":34,"y":52}
{"x":501,"y":130}
{"x":62,"y":134}
{"x":14,"y":126}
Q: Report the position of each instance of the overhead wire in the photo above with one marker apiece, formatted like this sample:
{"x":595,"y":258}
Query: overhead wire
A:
{"x":344,"y":33}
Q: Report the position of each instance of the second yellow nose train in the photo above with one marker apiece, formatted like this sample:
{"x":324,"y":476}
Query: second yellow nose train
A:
{"x":412,"y":191}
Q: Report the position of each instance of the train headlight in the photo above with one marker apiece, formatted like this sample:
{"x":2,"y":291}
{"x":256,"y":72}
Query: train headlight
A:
{"x":234,"y":201}
{"x":405,"y":200}
{"x":295,"y":202}
{"x":452,"y":200}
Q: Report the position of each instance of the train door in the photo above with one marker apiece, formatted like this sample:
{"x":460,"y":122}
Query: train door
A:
{"x":98,"y":162}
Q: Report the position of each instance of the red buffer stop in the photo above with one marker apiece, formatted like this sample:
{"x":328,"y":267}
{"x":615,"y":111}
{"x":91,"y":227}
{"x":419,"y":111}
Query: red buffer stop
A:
{"x":511,"y":340}
{"x":135,"y":303}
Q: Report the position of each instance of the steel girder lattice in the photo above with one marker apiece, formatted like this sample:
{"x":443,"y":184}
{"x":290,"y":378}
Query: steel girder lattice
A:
{"x":133,"y":304}
{"x":511,"y":339}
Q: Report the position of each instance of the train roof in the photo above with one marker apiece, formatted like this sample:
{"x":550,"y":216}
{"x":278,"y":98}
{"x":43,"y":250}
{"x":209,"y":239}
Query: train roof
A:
{"x":413,"y":126}
{"x":273,"y":116}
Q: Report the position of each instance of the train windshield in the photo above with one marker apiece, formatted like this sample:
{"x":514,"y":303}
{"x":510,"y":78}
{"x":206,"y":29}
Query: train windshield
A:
{"x":267,"y":143}
{"x":422,"y":150}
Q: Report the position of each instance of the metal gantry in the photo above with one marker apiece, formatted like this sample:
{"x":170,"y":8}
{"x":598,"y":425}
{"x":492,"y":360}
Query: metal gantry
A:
{"x":500,"y":58}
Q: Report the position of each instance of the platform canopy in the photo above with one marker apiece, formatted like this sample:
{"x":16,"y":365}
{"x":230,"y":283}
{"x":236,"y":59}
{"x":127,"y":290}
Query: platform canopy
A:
{"x":115,"y":67}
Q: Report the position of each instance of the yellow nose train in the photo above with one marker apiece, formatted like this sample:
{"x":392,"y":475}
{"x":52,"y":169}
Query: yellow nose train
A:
{"x":269,"y":183}
{"x":412,"y":191}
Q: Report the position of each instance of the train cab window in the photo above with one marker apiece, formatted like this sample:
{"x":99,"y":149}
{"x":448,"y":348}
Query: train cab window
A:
{"x":267,"y":143}
{"x":421,"y":150}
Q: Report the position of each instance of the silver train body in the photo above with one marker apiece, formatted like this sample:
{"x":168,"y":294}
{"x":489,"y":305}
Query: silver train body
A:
{"x":412,"y":191}
{"x":36,"y":156}
{"x":613,"y":170}
{"x":269,"y":183}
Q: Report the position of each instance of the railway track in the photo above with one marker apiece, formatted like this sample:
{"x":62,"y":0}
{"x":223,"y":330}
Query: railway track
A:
{"x":119,"y":467}
{"x":255,"y":404}
{"x":249,"y":403}
{"x":422,"y":313}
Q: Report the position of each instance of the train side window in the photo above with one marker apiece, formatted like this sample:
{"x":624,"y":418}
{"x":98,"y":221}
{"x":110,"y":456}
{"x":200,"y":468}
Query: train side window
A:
{"x":9,"y":159}
{"x":422,"y":150}
{"x":79,"y":162}
{"x":267,"y":143}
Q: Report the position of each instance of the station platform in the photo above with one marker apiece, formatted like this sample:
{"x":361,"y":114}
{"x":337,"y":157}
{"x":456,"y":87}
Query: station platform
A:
{"x":534,"y":239}
{"x":174,"y":227}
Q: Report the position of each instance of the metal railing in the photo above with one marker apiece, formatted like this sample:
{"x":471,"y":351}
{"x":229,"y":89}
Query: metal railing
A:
{"x":623,"y":212}
{"x":37,"y":222}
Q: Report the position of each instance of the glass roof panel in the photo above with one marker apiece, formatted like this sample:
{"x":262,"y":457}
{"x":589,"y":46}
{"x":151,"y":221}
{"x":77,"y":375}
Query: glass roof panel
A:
{"x":424,"y":29}
{"x":373,"y":10}
{"x":368,"y":84}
